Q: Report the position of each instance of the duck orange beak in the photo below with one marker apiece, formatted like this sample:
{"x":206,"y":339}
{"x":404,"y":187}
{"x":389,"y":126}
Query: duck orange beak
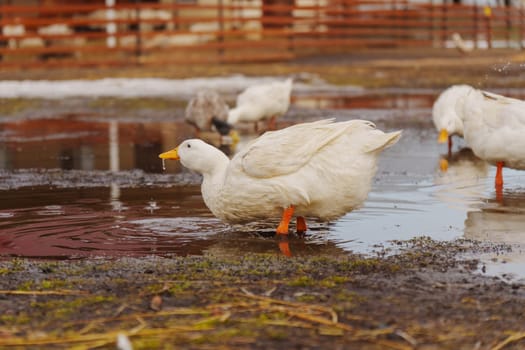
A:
{"x":443,"y":136}
{"x":173,"y":154}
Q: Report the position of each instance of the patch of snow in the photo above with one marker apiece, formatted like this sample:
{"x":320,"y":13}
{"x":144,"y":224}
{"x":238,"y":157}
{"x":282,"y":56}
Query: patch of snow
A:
{"x":146,"y":87}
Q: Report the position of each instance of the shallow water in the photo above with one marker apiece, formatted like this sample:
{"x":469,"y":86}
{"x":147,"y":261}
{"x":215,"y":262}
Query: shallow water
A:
{"x":411,"y":196}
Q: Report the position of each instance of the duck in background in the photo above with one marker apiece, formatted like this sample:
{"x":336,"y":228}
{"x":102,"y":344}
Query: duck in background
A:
{"x":444,"y":115}
{"x":208,"y":113}
{"x":494,"y":128}
{"x":463,"y":46}
{"x":262,"y":102}
{"x":321,"y":169}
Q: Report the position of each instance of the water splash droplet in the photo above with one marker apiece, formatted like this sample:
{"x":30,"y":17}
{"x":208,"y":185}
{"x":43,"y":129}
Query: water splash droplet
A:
{"x":163,"y":164}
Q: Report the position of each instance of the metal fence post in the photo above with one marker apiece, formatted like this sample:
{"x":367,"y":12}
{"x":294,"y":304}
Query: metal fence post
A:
{"x":522,"y":25}
{"x":220,"y":38}
{"x":111,"y":27}
{"x":488,"y":25}
{"x":476,"y":24}
{"x":431,"y":27}
{"x":508,"y":22}
{"x":3,"y":43}
{"x":138,"y":38}
{"x":444,"y":28}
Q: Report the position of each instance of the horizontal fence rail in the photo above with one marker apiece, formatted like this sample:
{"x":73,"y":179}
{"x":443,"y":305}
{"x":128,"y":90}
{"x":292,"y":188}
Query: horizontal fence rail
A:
{"x":206,"y":31}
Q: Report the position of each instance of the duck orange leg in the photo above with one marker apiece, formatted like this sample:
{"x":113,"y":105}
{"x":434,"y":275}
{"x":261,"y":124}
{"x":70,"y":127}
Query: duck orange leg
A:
{"x":282,"y":229}
{"x":301,"y":224}
{"x":272,"y":124}
{"x":499,"y":174}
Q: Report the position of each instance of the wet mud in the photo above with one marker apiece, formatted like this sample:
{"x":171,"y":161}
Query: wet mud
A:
{"x":424,"y":297}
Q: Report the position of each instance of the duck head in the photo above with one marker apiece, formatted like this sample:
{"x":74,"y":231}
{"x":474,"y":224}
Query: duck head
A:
{"x":197,"y":155}
{"x":453,"y":125}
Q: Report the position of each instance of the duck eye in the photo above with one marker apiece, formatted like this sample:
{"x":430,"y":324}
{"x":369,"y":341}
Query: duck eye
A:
{"x":189,"y":146}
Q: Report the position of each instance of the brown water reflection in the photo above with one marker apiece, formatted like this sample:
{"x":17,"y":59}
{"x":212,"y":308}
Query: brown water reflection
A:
{"x":77,"y":222}
{"x":43,"y":222}
{"x":74,"y":142}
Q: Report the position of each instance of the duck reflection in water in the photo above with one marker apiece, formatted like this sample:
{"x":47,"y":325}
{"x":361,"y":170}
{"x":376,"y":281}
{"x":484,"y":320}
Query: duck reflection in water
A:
{"x":257,"y":237}
{"x":461,"y":165}
{"x":500,"y":223}
{"x":461,"y":177}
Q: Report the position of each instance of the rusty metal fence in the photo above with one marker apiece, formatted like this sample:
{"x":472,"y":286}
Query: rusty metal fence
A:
{"x":201,"y":31}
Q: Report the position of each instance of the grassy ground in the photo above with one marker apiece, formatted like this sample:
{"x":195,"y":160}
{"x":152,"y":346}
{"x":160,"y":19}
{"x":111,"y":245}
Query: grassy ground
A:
{"x":425,"y":297}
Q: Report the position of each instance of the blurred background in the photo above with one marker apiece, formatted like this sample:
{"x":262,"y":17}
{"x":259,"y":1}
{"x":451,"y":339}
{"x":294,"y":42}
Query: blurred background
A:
{"x":46,"y":33}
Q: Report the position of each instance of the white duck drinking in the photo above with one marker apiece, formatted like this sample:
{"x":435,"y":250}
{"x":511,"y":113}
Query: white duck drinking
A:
{"x":321,"y":169}
{"x":444,"y":115}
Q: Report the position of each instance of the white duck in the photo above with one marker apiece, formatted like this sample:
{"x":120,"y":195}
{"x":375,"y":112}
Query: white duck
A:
{"x":444,"y":115}
{"x":262,"y":102}
{"x":321,"y":169}
{"x":494,"y":127}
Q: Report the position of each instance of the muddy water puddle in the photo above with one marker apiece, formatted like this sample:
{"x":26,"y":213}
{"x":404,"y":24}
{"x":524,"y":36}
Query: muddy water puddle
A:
{"x":411,"y":196}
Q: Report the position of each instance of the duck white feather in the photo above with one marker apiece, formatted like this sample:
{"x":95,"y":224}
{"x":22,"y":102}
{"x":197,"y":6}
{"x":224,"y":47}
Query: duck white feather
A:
{"x":260,"y":102}
{"x":323,"y":169}
{"x":444,"y":115}
{"x":494,"y":127}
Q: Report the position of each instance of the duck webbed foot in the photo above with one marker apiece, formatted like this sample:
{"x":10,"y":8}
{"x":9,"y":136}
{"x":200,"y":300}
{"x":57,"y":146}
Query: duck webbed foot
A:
{"x":301,"y":224}
{"x":272,"y":123}
{"x":282,"y":229}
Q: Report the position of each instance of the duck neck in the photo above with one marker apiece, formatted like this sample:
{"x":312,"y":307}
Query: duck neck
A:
{"x":213,"y":180}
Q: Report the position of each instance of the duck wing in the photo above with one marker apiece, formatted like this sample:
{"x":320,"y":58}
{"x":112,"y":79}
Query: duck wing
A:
{"x":501,"y":111}
{"x":285,"y":151}
{"x":266,"y":93}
